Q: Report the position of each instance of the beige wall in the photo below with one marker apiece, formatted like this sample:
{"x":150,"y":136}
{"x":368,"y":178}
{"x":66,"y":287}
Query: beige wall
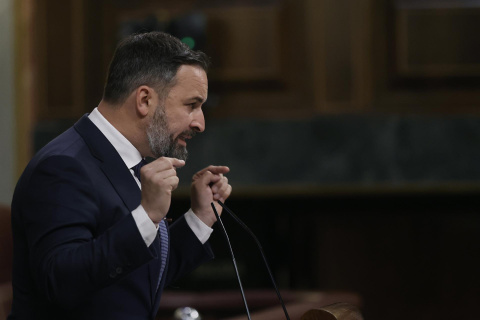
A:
{"x":7,"y":127}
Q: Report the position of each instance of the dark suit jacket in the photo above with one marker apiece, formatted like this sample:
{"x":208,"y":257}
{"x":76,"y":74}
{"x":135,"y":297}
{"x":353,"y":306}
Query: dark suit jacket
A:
{"x":78,"y":253}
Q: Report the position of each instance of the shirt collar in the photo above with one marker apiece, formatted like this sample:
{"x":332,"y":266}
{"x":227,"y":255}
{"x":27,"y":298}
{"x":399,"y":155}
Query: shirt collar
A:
{"x":129,"y":154}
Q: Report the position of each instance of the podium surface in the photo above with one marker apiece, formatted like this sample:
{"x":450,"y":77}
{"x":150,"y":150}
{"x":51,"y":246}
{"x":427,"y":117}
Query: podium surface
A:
{"x":263,"y":304}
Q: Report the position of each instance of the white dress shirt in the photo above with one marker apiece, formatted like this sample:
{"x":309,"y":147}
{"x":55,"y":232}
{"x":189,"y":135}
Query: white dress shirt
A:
{"x":132,"y":157}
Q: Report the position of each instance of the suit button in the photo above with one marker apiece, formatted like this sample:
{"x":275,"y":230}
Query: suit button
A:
{"x":113,"y":274}
{"x":119,"y":270}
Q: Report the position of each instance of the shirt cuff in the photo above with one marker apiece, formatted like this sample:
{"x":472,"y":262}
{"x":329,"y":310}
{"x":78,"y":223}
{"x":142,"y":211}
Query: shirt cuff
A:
{"x":145,"y":225}
{"x":201,"y":230}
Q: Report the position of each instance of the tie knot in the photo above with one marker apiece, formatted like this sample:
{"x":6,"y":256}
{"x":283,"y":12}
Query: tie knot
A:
{"x":137,"y":167}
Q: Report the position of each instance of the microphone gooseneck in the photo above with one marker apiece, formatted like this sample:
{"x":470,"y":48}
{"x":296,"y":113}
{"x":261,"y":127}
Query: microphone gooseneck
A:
{"x":244,"y":226}
{"x":233,"y":260}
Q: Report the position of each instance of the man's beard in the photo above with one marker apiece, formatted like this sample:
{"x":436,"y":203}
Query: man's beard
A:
{"x":161,"y":140}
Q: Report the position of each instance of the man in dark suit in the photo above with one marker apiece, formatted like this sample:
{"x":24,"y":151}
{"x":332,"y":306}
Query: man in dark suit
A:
{"x":88,"y":214}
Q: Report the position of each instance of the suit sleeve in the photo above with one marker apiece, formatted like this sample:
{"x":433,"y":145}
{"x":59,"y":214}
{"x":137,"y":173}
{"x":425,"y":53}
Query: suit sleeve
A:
{"x":68,"y":260}
{"x":186,"y":251}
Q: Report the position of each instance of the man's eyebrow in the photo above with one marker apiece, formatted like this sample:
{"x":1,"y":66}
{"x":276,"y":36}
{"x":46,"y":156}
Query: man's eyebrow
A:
{"x":198,"y":99}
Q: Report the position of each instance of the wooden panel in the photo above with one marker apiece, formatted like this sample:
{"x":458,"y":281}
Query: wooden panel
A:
{"x":61,"y":59}
{"x":244,"y":43}
{"x":338,"y":45}
{"x":260,"y":68}
{"x":423,"y":69}
{"x":362,"y":69}
{"x":338,"y":34}
{"x":438,"y":41}
{"x":78,"y":63}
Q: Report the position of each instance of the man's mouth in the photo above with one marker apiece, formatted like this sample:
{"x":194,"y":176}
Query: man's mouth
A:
{"x":182,"y":139}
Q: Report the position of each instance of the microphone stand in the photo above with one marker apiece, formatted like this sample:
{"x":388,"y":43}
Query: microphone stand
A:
{"x":233,"y":260}
{"x":244,"y":226}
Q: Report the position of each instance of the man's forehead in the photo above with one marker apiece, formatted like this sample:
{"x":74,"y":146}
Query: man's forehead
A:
{"x":187,"y":73}
{"x":193,"y":80}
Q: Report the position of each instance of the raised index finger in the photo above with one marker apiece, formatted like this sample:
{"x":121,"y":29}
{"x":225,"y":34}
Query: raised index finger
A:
{"x":215,"y":170}
{"x":176,"y":163}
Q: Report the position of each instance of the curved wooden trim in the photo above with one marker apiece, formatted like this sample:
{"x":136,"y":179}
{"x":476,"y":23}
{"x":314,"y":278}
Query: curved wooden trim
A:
{"x":336,"y":311}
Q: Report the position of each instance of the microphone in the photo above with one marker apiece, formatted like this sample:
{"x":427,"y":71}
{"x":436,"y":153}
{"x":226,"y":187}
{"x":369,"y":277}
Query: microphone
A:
{"x":233,"y":260}
{"x":246,"y":228}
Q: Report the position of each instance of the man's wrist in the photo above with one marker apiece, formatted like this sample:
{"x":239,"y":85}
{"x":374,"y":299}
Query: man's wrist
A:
{"x":206,"y":217}
{"x":198,"y":226}
{"x":145,"y":225}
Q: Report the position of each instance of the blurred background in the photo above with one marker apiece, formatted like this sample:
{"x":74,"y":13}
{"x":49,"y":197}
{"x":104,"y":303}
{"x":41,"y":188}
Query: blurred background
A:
{"x":351,"y":127}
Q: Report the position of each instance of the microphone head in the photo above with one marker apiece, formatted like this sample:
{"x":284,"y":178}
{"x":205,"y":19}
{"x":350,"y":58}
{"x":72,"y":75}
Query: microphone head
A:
{"x":186,"y":313}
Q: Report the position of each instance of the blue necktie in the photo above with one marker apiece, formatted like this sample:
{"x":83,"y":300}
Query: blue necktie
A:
{"x":137,"y":167}
{"x":162,"y":229}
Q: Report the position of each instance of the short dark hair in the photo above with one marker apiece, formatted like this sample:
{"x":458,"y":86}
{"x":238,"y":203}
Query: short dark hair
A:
{"x":151,"y":59}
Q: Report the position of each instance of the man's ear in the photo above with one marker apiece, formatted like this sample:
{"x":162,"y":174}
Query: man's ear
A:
{"x":144,"y":100}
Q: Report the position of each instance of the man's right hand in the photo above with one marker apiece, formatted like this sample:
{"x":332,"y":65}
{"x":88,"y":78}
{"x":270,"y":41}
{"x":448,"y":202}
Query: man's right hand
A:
{"x":159,"y":179}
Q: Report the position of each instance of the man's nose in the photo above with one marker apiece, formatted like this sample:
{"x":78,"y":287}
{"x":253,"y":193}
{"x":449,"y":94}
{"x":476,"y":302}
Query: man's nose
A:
{"x":198,"y":122}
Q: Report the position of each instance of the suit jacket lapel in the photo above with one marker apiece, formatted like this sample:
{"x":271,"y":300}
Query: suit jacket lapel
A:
{"x":111,"y":162}
{"x":123,"y":182}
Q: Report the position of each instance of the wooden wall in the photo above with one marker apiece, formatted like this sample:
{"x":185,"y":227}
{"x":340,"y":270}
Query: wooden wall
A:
{"x":301,"y":59}
{"x":276,"y":58}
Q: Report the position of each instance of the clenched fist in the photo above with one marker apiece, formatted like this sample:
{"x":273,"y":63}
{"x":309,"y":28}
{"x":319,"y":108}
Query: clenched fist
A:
{"x":208,"y":185}
{"x":159,"y":179}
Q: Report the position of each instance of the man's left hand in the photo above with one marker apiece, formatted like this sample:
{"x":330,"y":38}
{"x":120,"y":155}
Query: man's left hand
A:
{"x":209,"y":185}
